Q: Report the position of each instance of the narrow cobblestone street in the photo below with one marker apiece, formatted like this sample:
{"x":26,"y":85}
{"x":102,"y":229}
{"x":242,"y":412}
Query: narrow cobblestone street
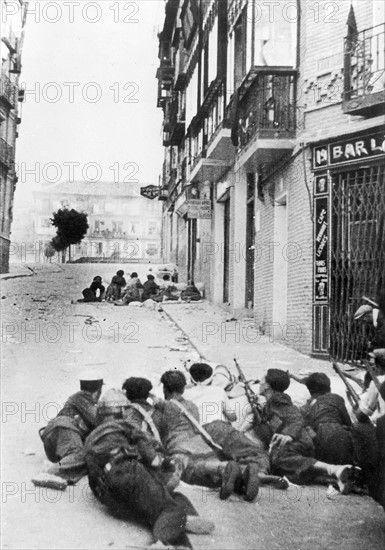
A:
{"x":48,"y":341}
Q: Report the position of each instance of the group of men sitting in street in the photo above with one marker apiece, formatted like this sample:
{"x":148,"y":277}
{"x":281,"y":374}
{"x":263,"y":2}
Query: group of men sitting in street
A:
{"x":122,"y":292}
{"x":136,"y":447}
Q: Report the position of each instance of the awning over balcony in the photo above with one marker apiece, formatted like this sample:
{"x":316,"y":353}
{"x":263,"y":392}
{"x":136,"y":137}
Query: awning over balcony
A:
{"x":220,"y":146}
{"x":209,"y":169}
{"x":264,"y":151}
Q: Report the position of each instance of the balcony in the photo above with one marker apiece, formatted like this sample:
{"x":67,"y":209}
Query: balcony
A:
{"x":364,"y":70}
{"x":208,"y":169}
{"x":165,"y":75}
{"x":174,"y":123}
{"x":219,"y":145}
{"x":7,"y":91}
{"x":6,"y":154}
{"x":214,"y":153}
{"x":266,"y":116}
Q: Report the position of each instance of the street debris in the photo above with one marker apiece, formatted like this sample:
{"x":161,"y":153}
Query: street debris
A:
{"x":50,"y":481}
{"x":29,"y":452}
{"x":91,"y":321}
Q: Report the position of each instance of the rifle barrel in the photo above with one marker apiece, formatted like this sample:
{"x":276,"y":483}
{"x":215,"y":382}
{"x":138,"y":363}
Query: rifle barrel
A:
{"x":373,"y":375}
{"x":349,"y":387}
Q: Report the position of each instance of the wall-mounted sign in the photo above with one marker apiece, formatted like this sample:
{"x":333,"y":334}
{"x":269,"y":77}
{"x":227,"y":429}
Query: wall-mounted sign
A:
{"x":352,"y":149}
{"x":199,"y":208}
{"x":321,"y":186}
{"x":150,"y":192}
{"x":321,"y":239}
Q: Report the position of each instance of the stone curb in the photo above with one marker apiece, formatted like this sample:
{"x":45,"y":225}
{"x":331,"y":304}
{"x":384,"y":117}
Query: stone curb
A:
{"x":6,"y":276}
{"x":184,"y":333}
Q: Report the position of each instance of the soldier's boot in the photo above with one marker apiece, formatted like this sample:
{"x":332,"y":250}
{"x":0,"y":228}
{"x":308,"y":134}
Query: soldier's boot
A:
{"x":230,"y":477}
{"x":170,"y":525}
{"x":251,"y":482}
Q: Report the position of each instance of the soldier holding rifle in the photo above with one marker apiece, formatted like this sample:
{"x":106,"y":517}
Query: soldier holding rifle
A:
{"x":337,"y":439}
{"x":291,"y":450}
{"x":372,"y":405}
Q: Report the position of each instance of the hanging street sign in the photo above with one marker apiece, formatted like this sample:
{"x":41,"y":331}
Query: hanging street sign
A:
{"x":150,"y":191}
{"x":199,"y":208}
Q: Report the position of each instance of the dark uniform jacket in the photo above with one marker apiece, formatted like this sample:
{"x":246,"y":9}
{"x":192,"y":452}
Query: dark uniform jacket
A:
{"x":78,"y":415}
{"x":118,"y":435}
{"x":285,"y":418}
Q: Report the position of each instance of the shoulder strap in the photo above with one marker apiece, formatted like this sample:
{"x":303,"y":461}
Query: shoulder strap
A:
{"x":207,"y":437}
{"x":148,"y":419}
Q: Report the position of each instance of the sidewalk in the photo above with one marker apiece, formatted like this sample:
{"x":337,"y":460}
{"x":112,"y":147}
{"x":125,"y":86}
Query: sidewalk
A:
{"x":15,"y":271}
{"x":219,"y":339}
{"x":27,"y":270}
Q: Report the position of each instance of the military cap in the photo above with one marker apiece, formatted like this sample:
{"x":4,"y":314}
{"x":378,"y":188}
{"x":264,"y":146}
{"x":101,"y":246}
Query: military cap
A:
{"x":362,"y":311}
{"x":91,"y":381}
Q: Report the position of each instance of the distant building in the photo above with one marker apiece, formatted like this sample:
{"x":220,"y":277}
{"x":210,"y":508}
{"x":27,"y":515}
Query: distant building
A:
{"x":13,"y":21}
{"x":123,"y":225}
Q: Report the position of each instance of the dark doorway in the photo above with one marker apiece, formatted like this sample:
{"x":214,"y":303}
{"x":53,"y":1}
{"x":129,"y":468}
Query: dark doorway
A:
{"x":250,"y":242}
{"x":357,"y":255}
{"x":226,"y":248}
{"x":192,"y":248}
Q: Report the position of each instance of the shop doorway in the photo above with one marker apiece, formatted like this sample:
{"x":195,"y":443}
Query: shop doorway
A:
{"x":357,"y":255}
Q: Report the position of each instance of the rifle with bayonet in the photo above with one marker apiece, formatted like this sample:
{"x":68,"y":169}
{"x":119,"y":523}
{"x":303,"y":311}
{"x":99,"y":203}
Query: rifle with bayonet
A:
{"x":373,"y":375}
{"x":355,"y":379}
{"x":250,"y":394}
{"x":265,"y":428}
{"x":351,"y":393}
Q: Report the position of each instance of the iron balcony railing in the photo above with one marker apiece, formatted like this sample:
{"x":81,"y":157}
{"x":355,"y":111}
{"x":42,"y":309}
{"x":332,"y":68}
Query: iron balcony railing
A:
{"x":7,"y":91}
{"x":175,"y":120}
{"x":365,"y":63}
{"x":268,"y":106}
{"x":6,"y":154}
{"x":210,"y":116}
{"x":215,"y":111}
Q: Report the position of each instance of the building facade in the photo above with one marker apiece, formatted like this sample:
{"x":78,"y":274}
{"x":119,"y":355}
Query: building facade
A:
{"x":123,"y":225}
{"x":13,"y":23}
{"x":273,"y":182}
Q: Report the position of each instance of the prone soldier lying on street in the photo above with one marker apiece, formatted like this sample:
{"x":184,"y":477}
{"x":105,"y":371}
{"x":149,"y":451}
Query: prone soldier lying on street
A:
{"x":64,"y":436}
{"x":199,"y":459}
{"x":125,"y":468}
{"x":291,"y":447}
{"x":337,"y":440}
{"x":216,"y":416}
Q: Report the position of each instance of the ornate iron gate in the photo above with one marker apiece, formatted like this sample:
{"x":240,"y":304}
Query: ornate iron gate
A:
{"x":357,"y":257}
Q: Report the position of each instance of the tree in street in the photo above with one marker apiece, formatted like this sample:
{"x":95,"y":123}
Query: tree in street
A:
{"x":71,"y":228}
{"x":49,"y":251}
